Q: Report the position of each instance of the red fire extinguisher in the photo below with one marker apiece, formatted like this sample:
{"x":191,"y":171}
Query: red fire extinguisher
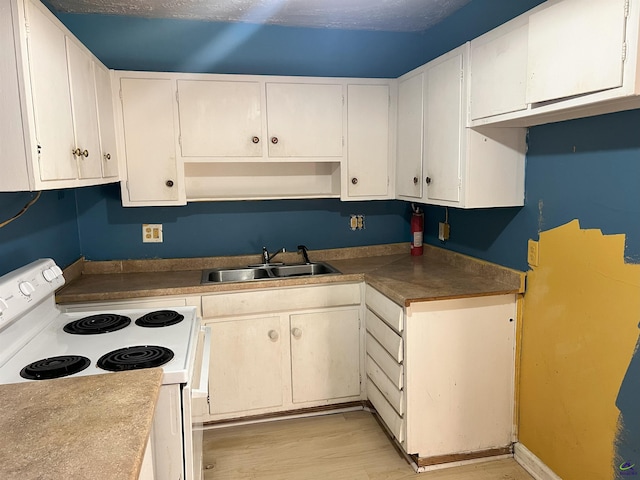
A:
{"x":417,"y":229}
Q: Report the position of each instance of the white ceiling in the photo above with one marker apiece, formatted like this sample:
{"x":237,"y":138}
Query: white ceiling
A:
{"x":383,"y":15}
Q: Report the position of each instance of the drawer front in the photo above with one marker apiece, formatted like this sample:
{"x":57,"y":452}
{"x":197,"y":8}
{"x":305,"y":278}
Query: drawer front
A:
{"x":392,"y":420}
{"x":390,"y":312}
{"x":279,"y":299}
{"x":390,"y":340}
{"x":388,"y":389}
{"x":386,"y":362}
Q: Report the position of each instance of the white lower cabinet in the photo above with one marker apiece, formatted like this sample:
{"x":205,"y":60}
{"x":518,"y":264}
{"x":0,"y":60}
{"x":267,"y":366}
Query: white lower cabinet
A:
{"x":283,"y":349}
{"x":442,"y":380}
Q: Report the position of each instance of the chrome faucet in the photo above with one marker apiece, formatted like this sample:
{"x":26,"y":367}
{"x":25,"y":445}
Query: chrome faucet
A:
{"x":266,"y":258}
{"x":305,"y":253}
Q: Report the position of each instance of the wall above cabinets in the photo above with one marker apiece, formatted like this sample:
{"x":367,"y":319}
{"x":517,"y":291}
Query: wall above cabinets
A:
{"x":56,"y":129}
{"x":197,"y":137}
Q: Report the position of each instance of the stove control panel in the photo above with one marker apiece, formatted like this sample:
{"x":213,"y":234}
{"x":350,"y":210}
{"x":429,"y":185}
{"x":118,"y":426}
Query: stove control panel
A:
{"x":25,"y":288}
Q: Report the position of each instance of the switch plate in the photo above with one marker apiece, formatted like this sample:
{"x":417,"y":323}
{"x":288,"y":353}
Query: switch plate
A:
{"x":533,"y":255}
{"x":152,"y":233}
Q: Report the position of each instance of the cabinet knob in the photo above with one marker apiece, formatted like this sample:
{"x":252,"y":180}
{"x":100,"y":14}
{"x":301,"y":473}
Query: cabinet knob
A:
{"x":169,"y":183}
{"x":297,"y":333}
{"x":107,"y":156}
{"x":354,"y":180}
{"x":428,"y":180}
{"x":415,"y":180}
{"x":273,"y":335}
{"x":77,"y":152}
{"x":274,"y":140}
{"x":255,"y":139}
{"x":85,"y":153}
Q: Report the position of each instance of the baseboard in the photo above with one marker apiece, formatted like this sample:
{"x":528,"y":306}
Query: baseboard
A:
{"x":532,"y":464}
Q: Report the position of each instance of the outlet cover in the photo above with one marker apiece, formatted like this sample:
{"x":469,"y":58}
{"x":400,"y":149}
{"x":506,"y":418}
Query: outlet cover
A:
{"x":152,"y":233}
{"x":533,"y":255}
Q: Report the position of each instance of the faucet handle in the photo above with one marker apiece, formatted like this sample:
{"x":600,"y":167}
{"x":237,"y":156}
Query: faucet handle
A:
{"x":305,"y":253}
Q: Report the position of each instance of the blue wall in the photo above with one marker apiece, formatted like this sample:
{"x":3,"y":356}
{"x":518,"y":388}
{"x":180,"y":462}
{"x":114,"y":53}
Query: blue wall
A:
{"x":598,"y":184}
{"x":109,"y":231}
{"x":48,"y":229}
{"x":127,"y":43}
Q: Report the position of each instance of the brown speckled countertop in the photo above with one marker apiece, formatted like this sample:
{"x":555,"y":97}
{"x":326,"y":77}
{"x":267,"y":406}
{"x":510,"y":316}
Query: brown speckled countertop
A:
{"x":89,"y":427}
{"x":437,"y":275}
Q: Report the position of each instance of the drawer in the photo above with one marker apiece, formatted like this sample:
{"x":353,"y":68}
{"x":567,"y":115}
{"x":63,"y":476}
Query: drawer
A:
{"x":389,"y":339}
{"x":392,"y":369}
{"x":279,"y":299}
{"x":392,"y":420}
{"x":390,"y":312}
{"x":388,"y":389}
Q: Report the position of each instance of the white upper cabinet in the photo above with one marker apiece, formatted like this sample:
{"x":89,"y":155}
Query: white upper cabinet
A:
{"x":563,"y":59}
{"x":148,"y":116}
{"x":459,"y":166}
{"x":53,"y":79}
{"x":498,"y":70}
{"x":85,"y":111}
{"x":367,"y":171}
{"x":575,"y":47}
{"x":106,"y":119}
{"x":443,"y":128}
{"x":220,"y":118}
{"x":305,"y":120}
{"x":410,"y":136}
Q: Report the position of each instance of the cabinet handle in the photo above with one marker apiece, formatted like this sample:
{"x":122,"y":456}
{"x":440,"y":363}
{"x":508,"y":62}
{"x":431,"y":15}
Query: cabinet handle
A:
{"x":273,"y":335}
{"x":428,"y":180}
{"x":415,"y":180}
{"x":297,"y":333}
{"x":107,"y":156}
{"x":169,"y":183}
{"x":255,"y":140}
{"x":354,"y":180}
{"x":274,"y":140}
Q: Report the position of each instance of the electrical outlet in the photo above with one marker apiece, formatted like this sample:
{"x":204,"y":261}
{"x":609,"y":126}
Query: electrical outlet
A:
{"x":152,"y":233}
{"x":444,"y":229}
{"x":533,"y":255}
{"x":356,"y":222}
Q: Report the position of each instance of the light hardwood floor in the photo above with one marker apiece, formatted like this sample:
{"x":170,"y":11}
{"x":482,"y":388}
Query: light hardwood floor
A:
{"x":345,"y":446}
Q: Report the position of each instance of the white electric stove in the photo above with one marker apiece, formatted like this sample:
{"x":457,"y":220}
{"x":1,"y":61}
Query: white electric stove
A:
{"x":41,"y":343}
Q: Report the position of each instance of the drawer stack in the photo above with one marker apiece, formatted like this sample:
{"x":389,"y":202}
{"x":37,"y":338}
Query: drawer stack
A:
{"x":385,"y":360}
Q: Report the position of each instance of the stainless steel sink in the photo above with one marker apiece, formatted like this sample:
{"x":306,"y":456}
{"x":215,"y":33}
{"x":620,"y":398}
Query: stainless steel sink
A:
{"x":265,"y":272}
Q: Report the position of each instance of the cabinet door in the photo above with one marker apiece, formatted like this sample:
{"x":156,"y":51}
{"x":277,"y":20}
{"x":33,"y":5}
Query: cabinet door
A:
{"x":575,"y":47}
{"x":304,"y":120}
{"x":220,"y":119}
{"x":410,"y":136}
{"x":443,"y":129}
{"x":106,"y":122}
{"x":498,"y":73}
{"x":246,"y":365}
{"x":325,"y":355}
{"x":51,"y":97}
{"x":149,"y":137}
{"x":368,"y":140}
{"x":85,"y":111}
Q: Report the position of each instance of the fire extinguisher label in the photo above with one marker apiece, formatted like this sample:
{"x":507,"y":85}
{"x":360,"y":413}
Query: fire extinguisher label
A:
{"x":417,"y":239}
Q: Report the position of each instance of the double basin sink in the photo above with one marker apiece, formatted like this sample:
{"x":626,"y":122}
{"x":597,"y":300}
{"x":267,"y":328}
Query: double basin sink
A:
{"x":266,"y":272}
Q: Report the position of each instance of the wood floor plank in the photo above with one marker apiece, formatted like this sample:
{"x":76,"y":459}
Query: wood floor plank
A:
{"x":345,"y":446}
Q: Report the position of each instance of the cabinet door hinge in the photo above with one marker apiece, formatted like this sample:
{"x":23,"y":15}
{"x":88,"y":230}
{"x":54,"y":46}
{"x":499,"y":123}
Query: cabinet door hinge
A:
{"x":459,"y":183}
{"x":624,"y":51}
{"x":27,"y":27}
{"x":343,"y":100}
{"x":128,"y":189}
{"x":626,"y":9}
{"x":180,"y":140}
{"x":120,"y":95}
{"x":177,"y":97}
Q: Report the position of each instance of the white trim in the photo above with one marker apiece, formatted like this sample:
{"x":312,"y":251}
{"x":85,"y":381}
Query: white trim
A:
{"x":532,"y":464}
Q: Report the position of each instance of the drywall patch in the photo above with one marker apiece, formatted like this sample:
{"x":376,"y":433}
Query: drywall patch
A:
{"x":580,"y":329}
